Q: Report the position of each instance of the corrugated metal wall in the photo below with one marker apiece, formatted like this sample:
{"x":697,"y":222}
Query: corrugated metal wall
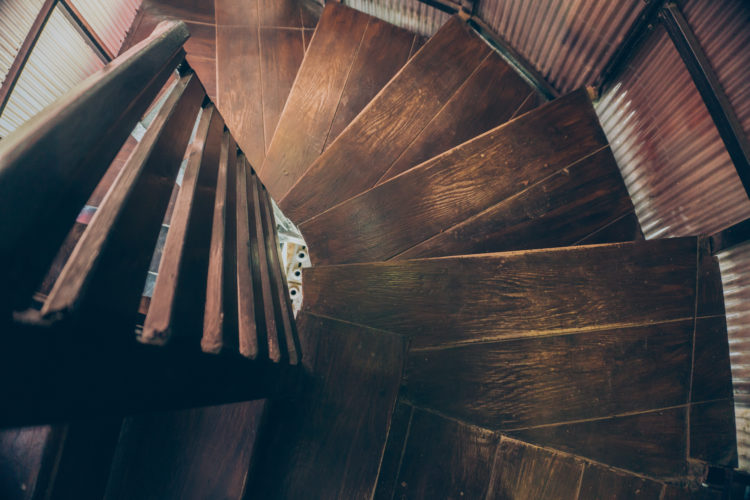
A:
{"x":674,"y":163}
{"x":723,"y":28}
{"x":60,"y":59}
{"x":735,"y":276}
{"x":16,"y":18}
{"x":568,"y":42}
{"x":110,"y":19}
{"x":410,"y":14}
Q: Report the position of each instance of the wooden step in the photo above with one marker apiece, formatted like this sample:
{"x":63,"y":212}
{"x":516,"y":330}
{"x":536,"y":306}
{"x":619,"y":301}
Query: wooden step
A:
{"x":542,"y":180}
{"x":477,"y":298}
{"x":328,"y":445}
{"x":602,"y":351}
{"x":350,"y":58}
{"x":430,"y":456}
{"x":454,"y":88}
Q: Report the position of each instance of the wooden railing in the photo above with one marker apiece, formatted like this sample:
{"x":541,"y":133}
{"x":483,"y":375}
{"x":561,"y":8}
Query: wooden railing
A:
{"x":219,"y":326}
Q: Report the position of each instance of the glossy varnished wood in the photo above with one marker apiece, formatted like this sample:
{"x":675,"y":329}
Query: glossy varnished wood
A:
{"x":558,"y":211}
{"x":394,"y":451}
{"x":488,"y":98}
{"x":445,"y":459}
{"x":175,"y":292}
{"x":522,"y":471}
{"x":389,"y":123}
{"x":460,"y":184}
{"x":329,"y":445}
{"x":44,"y":186}
{"x":312,"y":104}
{"x":713,"y":437}
{"x":546,"y":380}
{"x":109,"y":264}
{"x":453,"y":300}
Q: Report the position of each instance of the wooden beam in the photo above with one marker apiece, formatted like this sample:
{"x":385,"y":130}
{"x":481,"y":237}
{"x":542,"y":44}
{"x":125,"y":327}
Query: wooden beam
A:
{"x":92,"y":38}
{"x":730,"y":237}
{"x":23,"y":53}
{"x":705,"y":79}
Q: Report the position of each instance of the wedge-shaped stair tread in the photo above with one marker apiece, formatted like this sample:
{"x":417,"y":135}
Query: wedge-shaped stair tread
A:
{"x":454,"y":300}
{"x":454,"y":88}
{"x":444,"y":458}
{"x":330,"y":445}
{"x":544,"y":179}
{"x":350,"y":58}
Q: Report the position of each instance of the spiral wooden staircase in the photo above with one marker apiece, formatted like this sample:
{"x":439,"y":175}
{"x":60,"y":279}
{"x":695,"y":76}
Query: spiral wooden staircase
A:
{"x":483,"y":318}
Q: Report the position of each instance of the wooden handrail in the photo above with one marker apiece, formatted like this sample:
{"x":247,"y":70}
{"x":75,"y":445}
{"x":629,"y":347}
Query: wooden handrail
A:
{"x":51,"y":165}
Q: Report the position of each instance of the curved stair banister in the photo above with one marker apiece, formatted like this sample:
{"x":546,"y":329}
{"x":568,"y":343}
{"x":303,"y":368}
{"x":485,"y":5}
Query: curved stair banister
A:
{"x":74,"y":352}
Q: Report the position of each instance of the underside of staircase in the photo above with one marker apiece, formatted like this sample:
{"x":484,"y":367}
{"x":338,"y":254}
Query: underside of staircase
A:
{"x":483,"y":318}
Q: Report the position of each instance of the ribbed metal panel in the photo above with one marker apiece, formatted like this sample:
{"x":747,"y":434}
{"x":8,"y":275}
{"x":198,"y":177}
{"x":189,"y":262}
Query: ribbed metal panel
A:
{"x":735,"y":276}
{"x":674,"y":163}
{"x":410,"y":14}
{"x":16,"y":18}
{"x":569,"y":42}
{"x":60,"y":59}
{"x":110,"y":19}
{"x":723,"y":29}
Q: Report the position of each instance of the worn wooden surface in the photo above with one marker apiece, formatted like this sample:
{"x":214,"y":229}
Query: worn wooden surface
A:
{"x":109,"y":264}
{"x":42,"y":186}
{"x":445,"y":459}
{"x":192,"y":454}
{"x":394,"y":451}
{"x":282,"y":51}
{"x":286,"y":328}
{"x":250,"y":344}
{"x":489,"y":97}
{"x":545,"y":380}
{"x":463,"y":183}
{"x":259,"y":48}
{"x":599,"y":483}
{"x":558,"y":211}
{"x":652,"y":443}
{"x":713,"y":437}
{"x":329,"y":444}
{"x":383,"y":50}
{"x":218,"y":288}
{"x":392,"y":120}
{"x":178,"y":290}
{"x":265,"y":309}
{"x":525,"y":472}
{"x":454,"y":300}
{"x":312,"y":105}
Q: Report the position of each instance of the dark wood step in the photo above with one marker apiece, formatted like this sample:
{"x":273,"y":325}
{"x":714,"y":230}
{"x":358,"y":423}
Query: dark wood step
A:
{"x":329,"y":444}
{"x":430,"y":456}
{"x":542,"y":180}
{"x":351,"y":57}
{"x":454,"y":88}
{"x":477,"y":298}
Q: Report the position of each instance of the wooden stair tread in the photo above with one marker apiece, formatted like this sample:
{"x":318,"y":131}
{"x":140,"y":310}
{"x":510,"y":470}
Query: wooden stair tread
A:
{"x":521,"y":176}
{"x":350,"y":58}
{"x":454,"y":300}
{"x":428,"y":107}
{"x":328,"y":445}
